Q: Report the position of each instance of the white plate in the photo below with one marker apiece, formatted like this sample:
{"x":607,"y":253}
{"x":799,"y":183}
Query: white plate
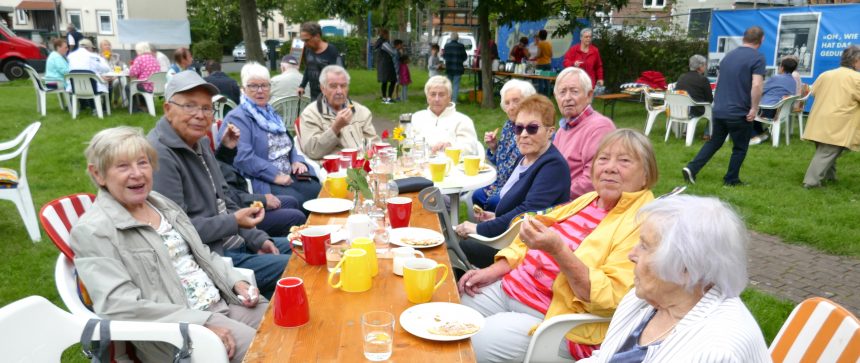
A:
{"x":415,"y":232}
{"x":481,"y":169}
{"x":418,"y":319}
{"x":328,"y":205}
{"x":338,"y":234}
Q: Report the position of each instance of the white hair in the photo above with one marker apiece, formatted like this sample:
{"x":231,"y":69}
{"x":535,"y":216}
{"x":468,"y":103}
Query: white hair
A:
{"x":697,"y":61}
{"x":526,"y":89}
{"x":585,"y":30}
{"x":702,"y":243}
{"x":254,"y":70}
{"x":437,"y":81}
{"x":142,"y":48}
{"x":584,"y":79}
{"x":332,"y":69}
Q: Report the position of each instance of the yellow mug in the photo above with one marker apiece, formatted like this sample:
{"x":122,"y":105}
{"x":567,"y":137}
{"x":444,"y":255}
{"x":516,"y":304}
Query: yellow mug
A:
{"x":439,"y":168}
{"x":471,"y":165}
{"x":335,"y":185}
{"x":453,"y":153}
{"x":367,"y":245}
{"x":419,"y":278}
{"x":354,"y":272}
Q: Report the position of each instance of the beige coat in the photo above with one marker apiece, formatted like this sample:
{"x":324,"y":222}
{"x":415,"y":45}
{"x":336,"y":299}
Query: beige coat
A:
{"x":317,"y":138}
{"x":835,"y":116}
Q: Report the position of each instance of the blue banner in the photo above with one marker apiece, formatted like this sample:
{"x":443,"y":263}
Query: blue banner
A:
{"x":508,"y":35}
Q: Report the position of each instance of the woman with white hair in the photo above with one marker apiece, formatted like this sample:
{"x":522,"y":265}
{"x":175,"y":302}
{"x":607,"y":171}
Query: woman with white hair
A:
{"x":266,"y":153}
{"x":440,"y":124}
{"x":586,"y":56}
{"x":685,"y":306}
{"x":502,"y":150}
{"x":144,"y":66}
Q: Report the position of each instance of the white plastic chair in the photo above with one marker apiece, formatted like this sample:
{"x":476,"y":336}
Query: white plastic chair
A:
{"x":158,"y":80}
{"x":797,"y":111}
{"x":818,"y":330}
{"x":42,"y":92}
{"x":653,"y":109}
{"x":34,"y":330}
{"x":544,"y":344}
{"x":220,"y":102}
{"x":678,"y":106}
{"x":782,"y":116}
{"x":288,"y":108}
{"x":82,"y":89}
{"x":311,"y":164}
{"x":19,"y":193}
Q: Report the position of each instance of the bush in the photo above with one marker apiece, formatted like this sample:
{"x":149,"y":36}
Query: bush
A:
{"x":626,"y":54}
{"x":354,"y":50}
{"x":207,"y":49}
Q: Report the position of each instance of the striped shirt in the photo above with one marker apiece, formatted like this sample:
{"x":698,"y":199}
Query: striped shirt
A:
{"x":531,"y":281}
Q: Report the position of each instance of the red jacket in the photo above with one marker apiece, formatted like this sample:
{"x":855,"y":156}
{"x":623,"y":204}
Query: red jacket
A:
{"x":591,"y":62}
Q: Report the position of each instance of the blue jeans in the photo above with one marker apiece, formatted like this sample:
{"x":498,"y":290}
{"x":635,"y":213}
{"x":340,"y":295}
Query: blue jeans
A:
{"x":455,"y":84}
{"x":479,"y":198}
{"x":277,"y":222}
{"x":740,"y":130}
{"x":267,"y":268}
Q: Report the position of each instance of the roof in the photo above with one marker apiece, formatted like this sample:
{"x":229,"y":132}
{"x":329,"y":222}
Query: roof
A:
{"x":49,"y":5}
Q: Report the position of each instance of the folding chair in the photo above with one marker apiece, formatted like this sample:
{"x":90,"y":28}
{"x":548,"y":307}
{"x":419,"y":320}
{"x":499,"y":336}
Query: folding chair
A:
{"x":42,"y":92}
{"x":818,"y":330}
{"x":13,"y":183}
{"x":83,"y":88}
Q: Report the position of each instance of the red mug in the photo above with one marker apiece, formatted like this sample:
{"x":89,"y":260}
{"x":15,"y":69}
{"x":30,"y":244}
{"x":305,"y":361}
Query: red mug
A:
{"x":291,"y":303}
{"x":352,"y":153}
{"x":380,"y":145}
{"x":358,"y":162}
{"x":313,"y":244}
{"x":399,"y":211}
{"x":331,"y":163}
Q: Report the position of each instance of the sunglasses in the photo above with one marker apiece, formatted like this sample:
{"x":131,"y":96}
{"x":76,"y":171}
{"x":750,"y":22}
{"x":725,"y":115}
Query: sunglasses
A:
{"x":531,"y":129}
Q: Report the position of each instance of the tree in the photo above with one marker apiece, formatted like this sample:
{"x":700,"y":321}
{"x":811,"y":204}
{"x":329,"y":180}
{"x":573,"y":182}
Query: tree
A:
{"x":251,"y":31}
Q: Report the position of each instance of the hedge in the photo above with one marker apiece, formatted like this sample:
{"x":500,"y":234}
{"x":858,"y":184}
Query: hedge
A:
{"x":207,"y":49}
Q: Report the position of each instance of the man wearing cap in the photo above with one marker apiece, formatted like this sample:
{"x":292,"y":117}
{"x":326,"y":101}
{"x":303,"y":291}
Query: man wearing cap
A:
{"x":84,"y":60}
{"x":287,"y":83}
{"x":189,"y":175}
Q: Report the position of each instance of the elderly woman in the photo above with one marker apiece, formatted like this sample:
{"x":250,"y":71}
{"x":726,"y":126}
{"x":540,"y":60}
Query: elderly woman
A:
{"x":266,"y":152}
{"x":440,"y":124}
{"x":141,"y":258}
{"x":578,"y":264}
{"x":502,"y":150}
{"x":534,"y":183}
{"x":688,"y":275}
{"x":144,"y":65}
{"x":586,"y":56}
{"x":57,"y":66}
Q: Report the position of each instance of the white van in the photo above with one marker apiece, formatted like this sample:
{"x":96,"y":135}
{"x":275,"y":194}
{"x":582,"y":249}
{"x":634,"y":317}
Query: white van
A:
{"x":466,"y":39}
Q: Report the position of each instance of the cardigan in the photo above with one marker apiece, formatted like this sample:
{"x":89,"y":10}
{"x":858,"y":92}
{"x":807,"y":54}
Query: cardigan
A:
{"x":450,"y":126}
{"x":605,"y":252}
{"x":538,"y":188}
{"x":717,"y":329}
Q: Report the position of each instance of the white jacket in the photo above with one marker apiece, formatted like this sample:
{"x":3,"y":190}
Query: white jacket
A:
{"x":451,"y":126}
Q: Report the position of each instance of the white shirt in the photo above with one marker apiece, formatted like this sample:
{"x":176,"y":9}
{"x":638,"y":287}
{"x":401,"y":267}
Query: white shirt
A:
{"x":451,"y":126}
{"x":84,"y":60}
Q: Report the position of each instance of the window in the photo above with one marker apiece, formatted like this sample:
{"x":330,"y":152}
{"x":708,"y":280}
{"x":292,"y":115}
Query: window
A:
{"x":75,"y":18}
{"x":700,"y":20}
{"x":280,"y":30}
{"x":21,"y":17}
{"x":103,"y":19}
{"x":654,"y":4}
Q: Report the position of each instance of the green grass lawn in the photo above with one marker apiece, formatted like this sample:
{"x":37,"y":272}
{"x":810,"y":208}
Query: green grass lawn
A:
{"x":774,"y":202}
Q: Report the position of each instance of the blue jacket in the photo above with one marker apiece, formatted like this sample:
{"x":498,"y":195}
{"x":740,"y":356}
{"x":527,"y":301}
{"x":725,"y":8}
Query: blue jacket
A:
{"x":252,"y":158}
{"x":544,"y":184}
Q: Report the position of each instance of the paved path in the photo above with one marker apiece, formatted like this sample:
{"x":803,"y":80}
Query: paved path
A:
{"x":796,"y":272}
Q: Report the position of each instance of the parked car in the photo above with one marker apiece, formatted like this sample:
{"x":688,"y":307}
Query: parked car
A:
{"x":16,"y":51}
{"x":239,"y":51}
{"x":466,"y":39}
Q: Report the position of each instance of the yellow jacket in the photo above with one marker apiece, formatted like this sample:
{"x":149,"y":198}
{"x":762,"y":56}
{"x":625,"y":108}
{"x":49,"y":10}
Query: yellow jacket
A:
{"x":605,"y":252}
{"x":835,"y":116}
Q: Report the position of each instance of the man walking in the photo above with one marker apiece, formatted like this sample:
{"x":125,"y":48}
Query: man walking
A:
{"x":454,"y":54}
{"x":739,"y":89}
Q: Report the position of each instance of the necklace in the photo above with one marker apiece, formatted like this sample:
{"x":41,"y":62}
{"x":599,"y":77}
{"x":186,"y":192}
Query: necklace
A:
{"x":665,"y":333}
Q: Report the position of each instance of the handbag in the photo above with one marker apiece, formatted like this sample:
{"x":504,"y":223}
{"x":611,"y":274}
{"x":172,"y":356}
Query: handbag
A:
{"x":99,"y":351}
{"x":412,"y":184}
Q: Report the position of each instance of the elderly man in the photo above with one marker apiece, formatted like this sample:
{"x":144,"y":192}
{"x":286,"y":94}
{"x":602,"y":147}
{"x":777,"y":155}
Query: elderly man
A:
{"x":84,"y":60}
{"x":834,"y":123}
{"x":335,"y":122}
{"x":318,"y":55}
{"x":581,"y":127}
{"x":287,"y":83}
{"x":189,"y":175}
{"x":454,"y":55}
{"x":696,"y":84}
{"x":739,"y":88}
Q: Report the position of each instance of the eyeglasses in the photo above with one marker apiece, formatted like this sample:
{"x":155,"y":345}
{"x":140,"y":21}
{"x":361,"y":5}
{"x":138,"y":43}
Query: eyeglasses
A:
{"x":257,"y":87}
{"x":531,"y":129}
{"x":193,"y":109}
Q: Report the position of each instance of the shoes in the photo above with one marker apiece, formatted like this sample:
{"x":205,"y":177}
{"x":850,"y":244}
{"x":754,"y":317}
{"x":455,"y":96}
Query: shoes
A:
{"x":688,"y":175}
{"x":386,"y":101}
{"x":706,"y":137}
{"x":758,"y":139}
{"x":807,"y":186}
{"x":736,"y":183}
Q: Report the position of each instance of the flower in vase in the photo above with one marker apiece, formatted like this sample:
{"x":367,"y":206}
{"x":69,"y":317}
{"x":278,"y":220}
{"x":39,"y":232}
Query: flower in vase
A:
{"x":384,"y":134}
{"x":399,"y":135}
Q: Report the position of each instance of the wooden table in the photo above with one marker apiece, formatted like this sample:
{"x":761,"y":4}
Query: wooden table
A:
{"x":334,"y":331}
{"x":611,"y":99}
{"x":500,"y":77}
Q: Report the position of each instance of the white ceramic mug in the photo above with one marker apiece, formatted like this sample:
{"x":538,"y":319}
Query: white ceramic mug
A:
{"x":359,"y":225}
{"x":401,"y":254}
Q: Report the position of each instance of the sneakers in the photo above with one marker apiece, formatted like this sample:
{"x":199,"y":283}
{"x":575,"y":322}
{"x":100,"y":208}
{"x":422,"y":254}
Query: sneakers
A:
{"x":736,"y":183}
{"x":688,"y":175}
{"x":758,"y":139}
{"x":386,"y":101}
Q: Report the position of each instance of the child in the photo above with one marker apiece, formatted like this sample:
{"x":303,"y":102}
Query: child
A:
{"x":434,"y":63}
{"x":405,"y":77}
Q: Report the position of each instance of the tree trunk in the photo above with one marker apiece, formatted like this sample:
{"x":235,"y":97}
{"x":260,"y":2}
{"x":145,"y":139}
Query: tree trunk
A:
{"x":251,"y":31}
{"x":486,"y":58}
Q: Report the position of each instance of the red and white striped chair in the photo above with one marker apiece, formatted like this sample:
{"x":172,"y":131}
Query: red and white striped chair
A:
{"x":59,"y":215}
{"x":818,"y":330}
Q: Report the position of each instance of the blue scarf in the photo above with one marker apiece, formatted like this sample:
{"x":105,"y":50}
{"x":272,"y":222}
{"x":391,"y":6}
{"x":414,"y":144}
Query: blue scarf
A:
{"x":266,"y":117}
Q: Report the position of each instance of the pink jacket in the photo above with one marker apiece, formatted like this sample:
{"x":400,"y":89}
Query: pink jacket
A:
{"x":405,"y":77}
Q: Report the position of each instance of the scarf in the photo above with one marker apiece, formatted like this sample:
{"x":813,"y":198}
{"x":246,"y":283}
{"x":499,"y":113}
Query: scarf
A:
{"x":265,"y":117}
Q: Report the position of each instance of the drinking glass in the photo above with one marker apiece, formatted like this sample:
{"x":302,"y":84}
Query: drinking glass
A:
{"x":377,"y":330}
{"x":345,"y":162}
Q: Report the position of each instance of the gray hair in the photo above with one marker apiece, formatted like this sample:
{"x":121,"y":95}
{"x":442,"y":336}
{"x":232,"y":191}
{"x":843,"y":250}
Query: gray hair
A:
{"x":697,"y":61}
{"x":526,"y":89}
{"x":455,"y":36}
{"x":585,"y":30}
{"x":702,"y":243}
{"x":332,"y":69}
{"x":584,"y":79}
{"x":437,"y":81}
{"x":254,"y":70}
{"x":114,"y":143}
{"x":850,"y":56}
{"x":142,"y":48}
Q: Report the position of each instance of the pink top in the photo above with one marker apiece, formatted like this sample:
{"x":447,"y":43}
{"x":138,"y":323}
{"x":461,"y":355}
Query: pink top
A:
{"x":405,"y":77}
{"x":578,"y":144}
{"x":143,"y":67}
{"x":531,"y":281}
